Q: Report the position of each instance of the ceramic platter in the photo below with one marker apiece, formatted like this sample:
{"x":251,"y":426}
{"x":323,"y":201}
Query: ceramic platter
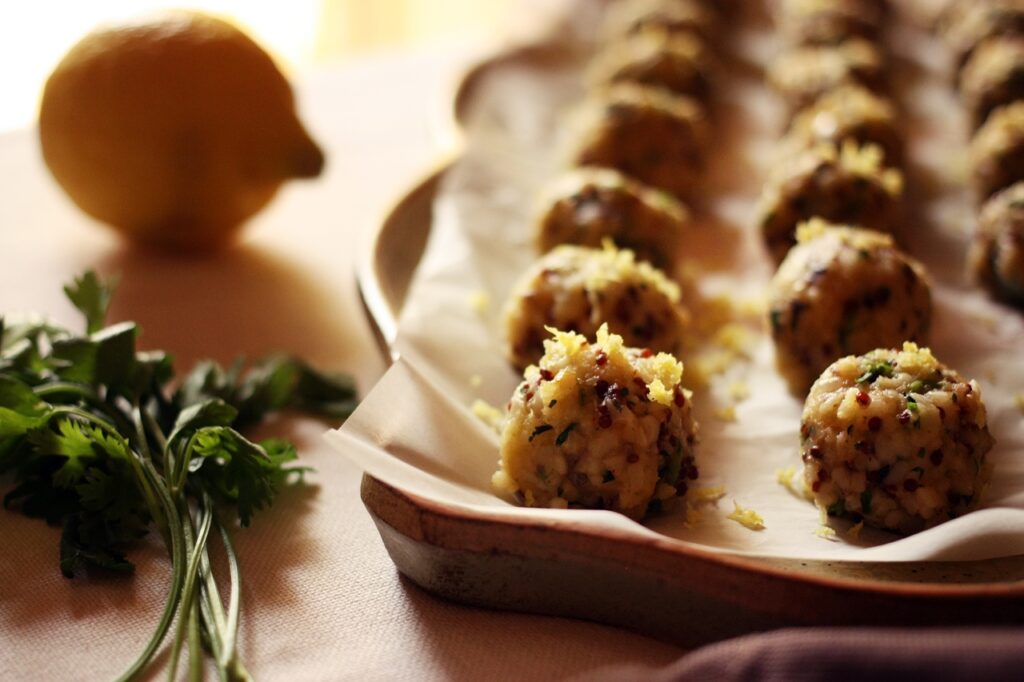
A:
{"x":657,"y":586}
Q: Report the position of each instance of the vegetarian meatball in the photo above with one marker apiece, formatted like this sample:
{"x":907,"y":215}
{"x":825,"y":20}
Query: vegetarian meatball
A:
{"x":827,"y":22}
{"x":997,"y":150}
{"x":675,"y":62}
{"x":847,"y":185}
{"x":601,"y":426}
{"x":578,"y":289}
{"x":969,"y":23}
{"x":672,"y":16}
{"x":843,"y":290}
{"x":804,"y":74}
{"x":993,"y":77}
{"x":590,"y":205}
{"x":895,"y":439}
{"x":850,"y":112}
{"x":997,"y":254}
{"x":647,"y":133}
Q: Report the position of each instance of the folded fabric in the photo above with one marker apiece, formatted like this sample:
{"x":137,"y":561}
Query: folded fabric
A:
{"x":836,"y":654}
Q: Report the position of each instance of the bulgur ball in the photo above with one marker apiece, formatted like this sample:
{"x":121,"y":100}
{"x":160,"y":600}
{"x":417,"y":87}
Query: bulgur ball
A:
{"x":803,"y":74}
{"x":676,"y":62}
{"x":576,"y":288}
{"x":997,"y":253}
{"x":896,"y":439}
{"x":969,"y":23}
{"x":672,"y":16}
{"x":843,"y":290}
{"x":589,"y":205}
{"x":600,"y":426}
{"x":997,"y":150}
{"x":847,"y":184}
{"x":993,"y":77}
{"x":850,"y":112}
{"x":647,"y":133}
{"x":826,"y":22}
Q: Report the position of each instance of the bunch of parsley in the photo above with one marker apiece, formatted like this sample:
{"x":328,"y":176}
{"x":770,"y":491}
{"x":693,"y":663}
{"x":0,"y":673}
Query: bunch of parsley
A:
{"x":96,"y":443}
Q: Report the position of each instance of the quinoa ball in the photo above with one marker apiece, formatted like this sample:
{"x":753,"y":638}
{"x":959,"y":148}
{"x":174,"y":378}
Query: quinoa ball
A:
{"x":850,"y":112}
{"x":672,"y":16}
{"x":647,"y":133}
{"x":803,"y":74}
{"x":846,"y":184}
{"x":895,"y":439}
{"x":843,"y":290}
{"x":969,"y":23}
{"x":576,"y":288}
{"x":599,"y":426}
{"x":997,"y":150}
{"x":993,"y":77}
{"x":589,"y":205}
{"x":827,"y":22}
{"x":675,"y":62}
{"x":997,"y":252}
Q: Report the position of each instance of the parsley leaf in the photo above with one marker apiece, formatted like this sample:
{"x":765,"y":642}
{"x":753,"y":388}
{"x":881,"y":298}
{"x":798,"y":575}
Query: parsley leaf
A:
{"x":239,"y":471}
{"x":882,"y":368}
{"x":92,"y":298}
{"x":94,"y":442}
{"x":272,"y":384}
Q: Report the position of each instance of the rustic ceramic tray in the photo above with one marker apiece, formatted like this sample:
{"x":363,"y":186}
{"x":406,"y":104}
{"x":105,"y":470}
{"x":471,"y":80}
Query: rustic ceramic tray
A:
{"x":657,"y":586}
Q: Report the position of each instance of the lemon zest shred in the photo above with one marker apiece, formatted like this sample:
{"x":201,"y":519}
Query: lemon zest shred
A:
{"x":480,"y":302}
{"x":826,"y":533}
{"x":748,"y":518}
{"x":726,"y":413}
{"x":489,"y":415}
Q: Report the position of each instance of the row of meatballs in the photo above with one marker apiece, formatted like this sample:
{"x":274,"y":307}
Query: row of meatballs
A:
{"x":889,"y":436}
{"x":986,"y":38}
{"x":601,"y":419}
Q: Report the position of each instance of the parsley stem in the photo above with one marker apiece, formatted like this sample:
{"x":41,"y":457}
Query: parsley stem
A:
{"x":195,"y":646}
{"x":158,"y":435}
{"x":177,"y":542}
{"x":140,"y":432}
{"x":188,"y":592}
{"x":180,"y":476}
{"x":228,"y":657}
{"x":86,"y":394}
{"x":213,"y":611}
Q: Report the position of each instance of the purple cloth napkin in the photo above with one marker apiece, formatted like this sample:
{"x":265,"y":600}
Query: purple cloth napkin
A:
{"x":832,"y":655}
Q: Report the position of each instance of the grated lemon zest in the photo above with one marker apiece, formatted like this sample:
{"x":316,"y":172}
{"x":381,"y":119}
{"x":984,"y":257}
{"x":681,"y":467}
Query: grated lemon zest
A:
{"x":710,"y":494}
{"x":748,"y":518}
{"x":726,"y":414}
{"x":480,"y":302}
{"x":489,"y":415}
{"x":826,"y":533}
{"x":739,"y":391}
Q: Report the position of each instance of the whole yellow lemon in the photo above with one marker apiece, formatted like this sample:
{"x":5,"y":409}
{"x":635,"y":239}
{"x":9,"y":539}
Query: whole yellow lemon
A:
{"x":174,"y":129}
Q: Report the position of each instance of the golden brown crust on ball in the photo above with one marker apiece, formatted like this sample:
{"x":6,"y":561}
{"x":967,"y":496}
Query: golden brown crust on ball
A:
{"x":578,"y":289}
{"x":647,"y":133}
{"x":843,"y":291}
{"x":589,"y":205}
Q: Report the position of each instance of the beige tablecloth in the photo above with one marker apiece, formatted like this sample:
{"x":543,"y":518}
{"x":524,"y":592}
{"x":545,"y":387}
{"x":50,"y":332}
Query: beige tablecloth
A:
{"x":321,"y":598}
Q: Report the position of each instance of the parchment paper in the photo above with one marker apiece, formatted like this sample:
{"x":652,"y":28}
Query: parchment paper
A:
{"x":416,"y":431}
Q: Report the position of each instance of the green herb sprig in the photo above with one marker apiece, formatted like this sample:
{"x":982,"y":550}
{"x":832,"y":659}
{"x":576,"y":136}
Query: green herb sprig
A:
{"x":96,"y":443}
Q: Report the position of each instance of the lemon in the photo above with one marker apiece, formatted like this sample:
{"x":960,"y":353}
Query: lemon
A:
{"x":173,"y":128}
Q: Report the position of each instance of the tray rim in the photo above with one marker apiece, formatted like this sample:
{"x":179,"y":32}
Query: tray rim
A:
{"x":383,"y":307}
